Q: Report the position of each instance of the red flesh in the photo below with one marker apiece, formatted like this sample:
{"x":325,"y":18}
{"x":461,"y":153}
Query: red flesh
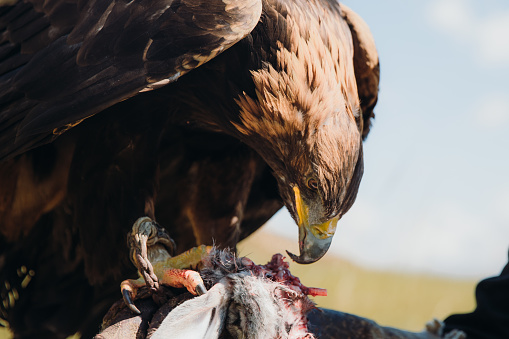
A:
{"x":278,"y":270}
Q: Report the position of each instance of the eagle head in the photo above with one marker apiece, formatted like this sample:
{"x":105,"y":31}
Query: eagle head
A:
{"x":310,"y":137}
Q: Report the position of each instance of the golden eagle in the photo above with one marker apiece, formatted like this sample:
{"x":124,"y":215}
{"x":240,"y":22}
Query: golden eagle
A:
{"x":205,"y":115}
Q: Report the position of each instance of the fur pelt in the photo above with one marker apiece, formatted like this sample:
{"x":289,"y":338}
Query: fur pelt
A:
{"x":240,"y":303}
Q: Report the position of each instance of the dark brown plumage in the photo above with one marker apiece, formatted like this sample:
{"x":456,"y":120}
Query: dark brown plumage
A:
{"x":180,"y":110}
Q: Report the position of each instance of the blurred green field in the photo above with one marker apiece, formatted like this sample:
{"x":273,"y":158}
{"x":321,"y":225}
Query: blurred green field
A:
{"x":392,"y":299}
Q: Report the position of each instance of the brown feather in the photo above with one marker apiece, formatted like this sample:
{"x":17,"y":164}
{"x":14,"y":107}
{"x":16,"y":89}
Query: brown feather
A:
{"x":197,"y":153}
{"x":306,"y":112}
{"x":27,"y":193}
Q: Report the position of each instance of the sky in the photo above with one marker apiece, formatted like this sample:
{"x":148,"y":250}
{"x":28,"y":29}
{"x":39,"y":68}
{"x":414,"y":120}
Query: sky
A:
{"x":435,"y":192}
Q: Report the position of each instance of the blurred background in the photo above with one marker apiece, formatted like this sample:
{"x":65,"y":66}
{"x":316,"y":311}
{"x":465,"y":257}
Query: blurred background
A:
{"x":432,"y":213}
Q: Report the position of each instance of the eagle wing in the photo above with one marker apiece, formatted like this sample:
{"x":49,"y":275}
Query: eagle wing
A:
{"x":63,"y":61}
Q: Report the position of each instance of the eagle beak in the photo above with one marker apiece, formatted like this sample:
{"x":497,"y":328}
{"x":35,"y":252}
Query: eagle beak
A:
{"x":315,"y":239}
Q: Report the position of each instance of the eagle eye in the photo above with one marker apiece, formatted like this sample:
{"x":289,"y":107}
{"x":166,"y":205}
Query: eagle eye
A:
{"x":312,"y":184}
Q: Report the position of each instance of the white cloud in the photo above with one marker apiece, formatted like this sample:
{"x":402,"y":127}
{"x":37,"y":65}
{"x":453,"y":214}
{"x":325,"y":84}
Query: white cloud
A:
{"x":452,"y":16}
{"x":486,"y":35}
{"x":493,"y":38}
{"x":492,"y":110}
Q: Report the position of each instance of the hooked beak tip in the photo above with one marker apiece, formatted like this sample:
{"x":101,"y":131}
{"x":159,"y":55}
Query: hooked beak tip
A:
{"x":312,"y":246}
{"x":304,"y":259}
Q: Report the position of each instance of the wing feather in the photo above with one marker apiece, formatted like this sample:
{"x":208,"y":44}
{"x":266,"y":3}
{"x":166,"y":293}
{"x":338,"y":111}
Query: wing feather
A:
{"x":62,"y":61}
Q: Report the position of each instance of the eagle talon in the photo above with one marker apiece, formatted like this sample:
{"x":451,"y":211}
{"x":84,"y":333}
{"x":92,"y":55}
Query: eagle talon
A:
{"x":150,"y":251}
{"x":184,"y":278}
{"x":200,"y":289}
{"x":129,"y":290}
{"x":128,"y":301}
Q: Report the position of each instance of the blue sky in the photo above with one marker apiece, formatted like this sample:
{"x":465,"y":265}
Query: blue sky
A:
{"x":435,"y":193}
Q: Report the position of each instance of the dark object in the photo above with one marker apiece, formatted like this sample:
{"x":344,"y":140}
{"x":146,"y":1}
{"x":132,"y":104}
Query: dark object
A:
{"x":490,"y":319}
{"x":333,"y":324}
{"x":96,"y":132}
